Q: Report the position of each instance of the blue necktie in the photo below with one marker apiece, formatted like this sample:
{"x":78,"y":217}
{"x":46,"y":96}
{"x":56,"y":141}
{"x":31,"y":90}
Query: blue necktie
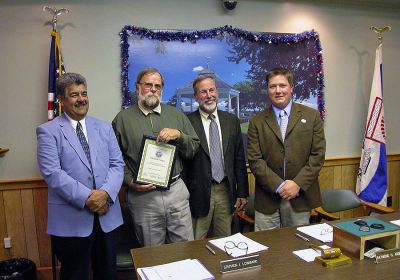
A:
{"x":84,"y":143}
{"x":217,"y":165}
{"x":283,"y":127}
{"x":284,"y":123}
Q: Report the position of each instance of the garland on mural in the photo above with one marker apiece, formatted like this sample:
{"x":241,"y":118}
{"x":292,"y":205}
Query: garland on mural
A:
{"x":194,"y":36}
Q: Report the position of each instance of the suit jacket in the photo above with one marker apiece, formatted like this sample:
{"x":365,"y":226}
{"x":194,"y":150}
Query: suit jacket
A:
{"x":303,"y":150}
{"x":197,"y":171}
{"x":69,"y":177}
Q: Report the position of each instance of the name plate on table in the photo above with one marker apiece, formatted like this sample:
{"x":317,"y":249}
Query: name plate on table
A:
{"x":240,"y":263}
{"x":387,"y":255}
{"x":156,"y":162}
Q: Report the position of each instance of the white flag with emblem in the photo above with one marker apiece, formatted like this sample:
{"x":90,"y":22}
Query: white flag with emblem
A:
{"x":372,"y":173}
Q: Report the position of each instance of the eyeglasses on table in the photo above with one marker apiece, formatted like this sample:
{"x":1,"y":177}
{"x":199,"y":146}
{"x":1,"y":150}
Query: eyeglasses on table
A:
{"x":230,"y":246}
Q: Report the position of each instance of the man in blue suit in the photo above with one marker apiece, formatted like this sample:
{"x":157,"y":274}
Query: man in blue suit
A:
{"x":81,"y":162}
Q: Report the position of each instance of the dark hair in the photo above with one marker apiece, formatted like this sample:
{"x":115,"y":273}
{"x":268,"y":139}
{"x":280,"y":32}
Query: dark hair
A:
{"x":149,"y":70}
{"x":200,"y":78}
{"x":67,"y":79}
{"x":281,"y":71}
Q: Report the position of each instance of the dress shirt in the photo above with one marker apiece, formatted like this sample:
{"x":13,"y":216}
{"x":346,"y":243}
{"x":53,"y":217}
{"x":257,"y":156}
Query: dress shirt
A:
{"x":149,"y":111}
{"x":206,"y":124}
{"x":74,"y":123}
{"x":287,"y":110}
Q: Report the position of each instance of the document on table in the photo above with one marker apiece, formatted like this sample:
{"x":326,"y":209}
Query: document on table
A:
{"x":176,"y":270}
{"x":238,"y":240}
{"x":309,"y":254}
{"x":396,"y":222}
{"x":322,"y":232}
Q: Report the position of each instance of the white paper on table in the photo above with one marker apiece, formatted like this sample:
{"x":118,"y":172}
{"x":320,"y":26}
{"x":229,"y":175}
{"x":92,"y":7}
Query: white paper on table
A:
{"x":253,"y":246}
{"x":309,"y":254}
{"x":176,"y":270}
{"x":322,"y":232}
{"x":396,"y":222}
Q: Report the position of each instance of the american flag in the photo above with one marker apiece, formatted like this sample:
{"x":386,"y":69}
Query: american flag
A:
{"x":56,"y":69}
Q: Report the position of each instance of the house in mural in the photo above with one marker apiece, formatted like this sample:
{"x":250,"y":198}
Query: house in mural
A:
{"x":228,"y":99}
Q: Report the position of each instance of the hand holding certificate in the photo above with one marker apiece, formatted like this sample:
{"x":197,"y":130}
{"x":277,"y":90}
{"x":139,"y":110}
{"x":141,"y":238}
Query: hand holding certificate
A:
{"x":156,"y":162}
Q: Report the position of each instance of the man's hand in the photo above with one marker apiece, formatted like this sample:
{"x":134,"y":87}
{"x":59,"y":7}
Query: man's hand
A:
{"x":96,"y":200}
{"x":141,"y":188}
{"x":168,"y":134}
{"x":289,"y":190}
{"x":241,"y":202}
{"x":103,"y":210}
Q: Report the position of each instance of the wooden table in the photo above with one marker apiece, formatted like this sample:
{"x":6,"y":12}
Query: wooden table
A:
{"x":278,"y":262}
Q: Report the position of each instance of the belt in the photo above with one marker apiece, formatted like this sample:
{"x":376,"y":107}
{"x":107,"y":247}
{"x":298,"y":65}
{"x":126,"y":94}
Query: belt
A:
{"x":175,"y":178}
{"x":215,"y":182}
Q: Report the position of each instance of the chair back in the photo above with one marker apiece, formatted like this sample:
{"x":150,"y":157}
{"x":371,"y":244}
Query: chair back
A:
{"x":336,"y":200}
{"x":250,"y":206}
{"x":126,"y":241}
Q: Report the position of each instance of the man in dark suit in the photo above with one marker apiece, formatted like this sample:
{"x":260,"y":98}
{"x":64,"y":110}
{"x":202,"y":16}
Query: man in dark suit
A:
{"x":216,"y":177}
{"x":286,"y":151}
{"x":82,"y":165}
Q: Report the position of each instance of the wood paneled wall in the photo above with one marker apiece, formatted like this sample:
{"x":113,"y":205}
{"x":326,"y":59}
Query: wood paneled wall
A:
{"x":23,"y":207}
{"x":23,"y":217}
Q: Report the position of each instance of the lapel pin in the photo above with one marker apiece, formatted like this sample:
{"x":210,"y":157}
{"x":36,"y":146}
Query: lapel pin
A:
{"x":303,"y":121}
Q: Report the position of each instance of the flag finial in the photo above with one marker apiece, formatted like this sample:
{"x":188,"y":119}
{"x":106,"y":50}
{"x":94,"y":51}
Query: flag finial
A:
{"x":55,"y":12}
{"x":379,"y":31}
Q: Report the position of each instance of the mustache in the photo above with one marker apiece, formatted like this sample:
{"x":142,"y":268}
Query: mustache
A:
{"x":80,"y":103}
{"x":151,"y":95}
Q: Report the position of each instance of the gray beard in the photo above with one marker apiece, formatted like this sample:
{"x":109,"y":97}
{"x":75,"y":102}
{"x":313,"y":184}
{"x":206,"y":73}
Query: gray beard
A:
{"x":150,"y":102}
{"x":208,"y":108}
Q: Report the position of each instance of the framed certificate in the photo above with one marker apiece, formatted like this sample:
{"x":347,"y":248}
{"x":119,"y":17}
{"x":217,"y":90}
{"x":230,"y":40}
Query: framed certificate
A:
{"x":156,"y":162}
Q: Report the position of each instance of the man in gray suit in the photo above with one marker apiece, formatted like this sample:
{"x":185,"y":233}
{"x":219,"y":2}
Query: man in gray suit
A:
{"x":216,"y":177}
{"x":286,"y":151}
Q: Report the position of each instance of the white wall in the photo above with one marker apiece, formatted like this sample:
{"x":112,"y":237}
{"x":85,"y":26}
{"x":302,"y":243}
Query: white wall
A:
{"x":90,"y":45}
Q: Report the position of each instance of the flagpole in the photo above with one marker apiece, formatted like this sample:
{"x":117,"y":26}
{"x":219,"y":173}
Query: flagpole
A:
{"x":56,"y":67}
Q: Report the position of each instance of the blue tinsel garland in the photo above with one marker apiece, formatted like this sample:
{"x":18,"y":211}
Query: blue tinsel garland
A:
{"x":193,"y":36}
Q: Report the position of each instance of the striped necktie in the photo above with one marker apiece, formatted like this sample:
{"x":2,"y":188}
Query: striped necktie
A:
{"x":217,"y":165}
{"x":284,"y":123}
{"x":84,"y":143}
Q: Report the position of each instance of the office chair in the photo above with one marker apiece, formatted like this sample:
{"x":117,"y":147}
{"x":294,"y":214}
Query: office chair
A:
{"x":126,"y":241}
{"x":337,"y":200}
{"x":246,"y":217}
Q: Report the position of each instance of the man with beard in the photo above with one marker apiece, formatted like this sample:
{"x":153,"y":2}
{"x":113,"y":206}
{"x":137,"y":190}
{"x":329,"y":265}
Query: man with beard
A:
{"x":216,"y":176}
{"x":159,"y":216}
{"x":82,"y":165}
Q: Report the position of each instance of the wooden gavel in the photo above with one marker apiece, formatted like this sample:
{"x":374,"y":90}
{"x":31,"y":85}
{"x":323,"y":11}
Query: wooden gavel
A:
{"x":329,"y":253}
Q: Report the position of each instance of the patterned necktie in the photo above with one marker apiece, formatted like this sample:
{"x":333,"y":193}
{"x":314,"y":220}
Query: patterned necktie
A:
{"x":217,"y":165}
{"x":284,"y":123}
{"x":84,"y":143}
